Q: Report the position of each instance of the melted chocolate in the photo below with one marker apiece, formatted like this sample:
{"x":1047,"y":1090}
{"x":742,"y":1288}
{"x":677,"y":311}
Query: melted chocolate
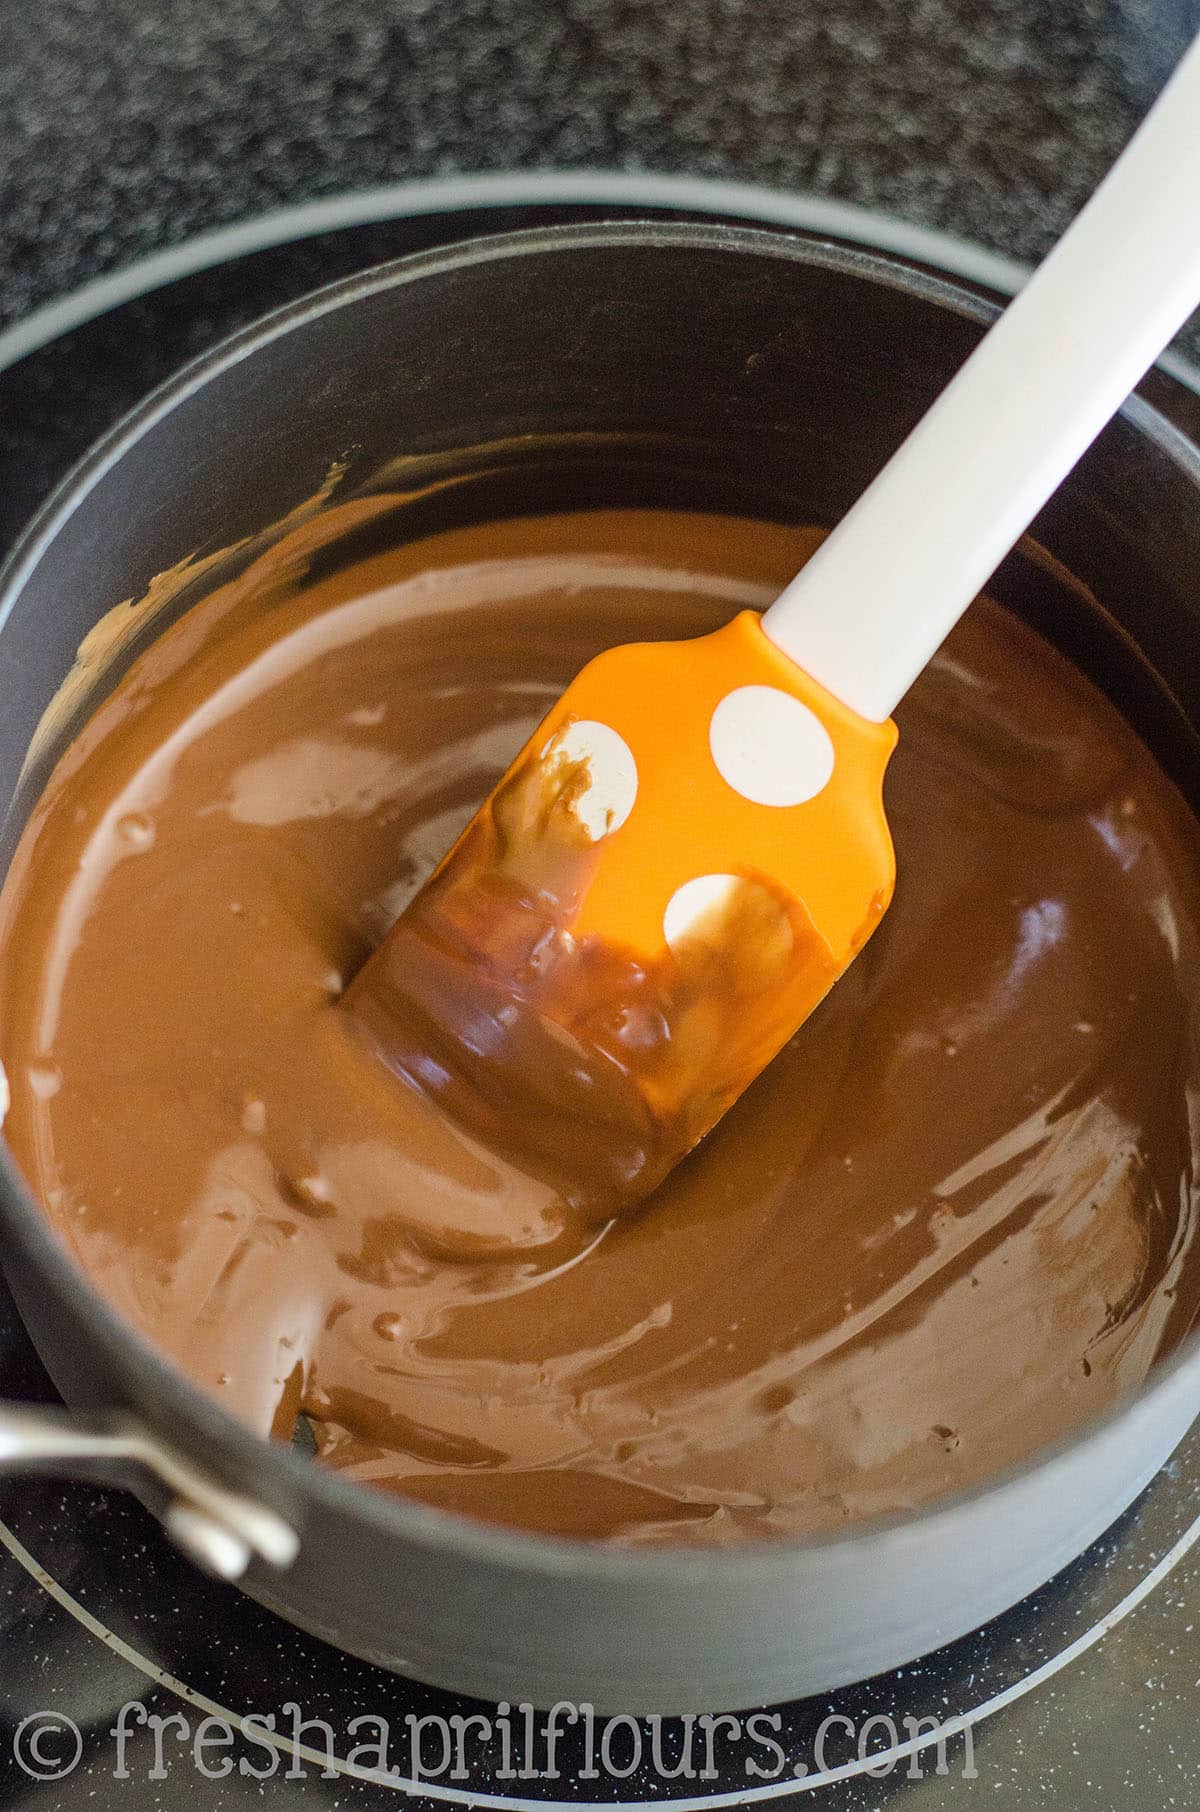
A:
{"x":953,"y":1220}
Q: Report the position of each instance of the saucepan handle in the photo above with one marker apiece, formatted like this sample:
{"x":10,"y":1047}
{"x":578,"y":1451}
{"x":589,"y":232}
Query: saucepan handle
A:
{"x":217,"y":1528}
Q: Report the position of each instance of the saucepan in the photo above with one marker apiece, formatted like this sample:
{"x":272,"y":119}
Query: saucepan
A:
{"x":621,"y":364}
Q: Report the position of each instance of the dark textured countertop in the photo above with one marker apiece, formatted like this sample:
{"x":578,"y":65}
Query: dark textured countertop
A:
{"x":128,"y":125}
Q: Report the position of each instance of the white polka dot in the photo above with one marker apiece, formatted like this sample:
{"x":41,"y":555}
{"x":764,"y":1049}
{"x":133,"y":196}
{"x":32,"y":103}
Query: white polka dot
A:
{"x":689,"y":904}
{"x":770,"y":748}
{"x":612,"y":775}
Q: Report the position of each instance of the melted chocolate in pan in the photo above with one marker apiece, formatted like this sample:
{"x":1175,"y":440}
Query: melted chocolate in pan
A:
{"x":952,"y":1221}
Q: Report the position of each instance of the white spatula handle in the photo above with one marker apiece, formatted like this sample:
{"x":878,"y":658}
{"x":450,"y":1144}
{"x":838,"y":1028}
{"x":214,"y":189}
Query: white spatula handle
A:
{"x":871,"y":607}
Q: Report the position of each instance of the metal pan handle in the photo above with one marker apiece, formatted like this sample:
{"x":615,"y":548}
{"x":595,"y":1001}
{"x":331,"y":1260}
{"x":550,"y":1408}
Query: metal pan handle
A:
{"x":218,"y":1529}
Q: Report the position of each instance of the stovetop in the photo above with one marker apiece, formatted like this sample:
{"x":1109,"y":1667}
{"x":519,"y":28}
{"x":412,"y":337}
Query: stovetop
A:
{"x":127,"y":1679}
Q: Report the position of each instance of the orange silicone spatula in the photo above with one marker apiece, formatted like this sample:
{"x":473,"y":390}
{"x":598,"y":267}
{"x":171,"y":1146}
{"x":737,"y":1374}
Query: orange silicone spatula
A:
{"x":692,"y":847}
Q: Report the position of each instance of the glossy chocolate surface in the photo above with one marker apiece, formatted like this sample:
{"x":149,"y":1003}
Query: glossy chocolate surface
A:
{"x":952,"y":1221}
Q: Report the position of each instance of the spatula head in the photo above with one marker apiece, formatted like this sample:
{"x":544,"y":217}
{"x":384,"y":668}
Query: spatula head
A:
{"x":674,"y":871}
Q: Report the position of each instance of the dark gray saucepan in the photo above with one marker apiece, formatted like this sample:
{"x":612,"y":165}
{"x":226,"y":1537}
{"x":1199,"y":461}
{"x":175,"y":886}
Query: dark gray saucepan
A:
{"x":625,"y":364}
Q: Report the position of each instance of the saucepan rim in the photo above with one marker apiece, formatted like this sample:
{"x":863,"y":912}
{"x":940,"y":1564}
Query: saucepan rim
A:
{"x":275,"y":1472}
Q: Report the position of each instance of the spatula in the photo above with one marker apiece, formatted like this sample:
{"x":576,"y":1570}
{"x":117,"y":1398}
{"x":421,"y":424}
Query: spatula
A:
{"x":692,"y":847}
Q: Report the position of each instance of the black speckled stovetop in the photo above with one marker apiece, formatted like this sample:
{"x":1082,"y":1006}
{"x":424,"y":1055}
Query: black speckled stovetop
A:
{"x":128,"y":125}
